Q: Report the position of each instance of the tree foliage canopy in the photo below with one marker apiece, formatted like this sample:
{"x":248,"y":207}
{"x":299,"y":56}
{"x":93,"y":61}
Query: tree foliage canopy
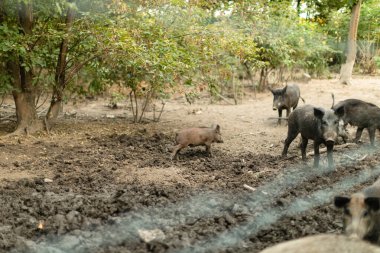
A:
{"x":164,"y":46}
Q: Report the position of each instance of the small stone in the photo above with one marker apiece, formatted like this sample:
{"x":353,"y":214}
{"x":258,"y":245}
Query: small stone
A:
{"x":48,"y":180}
{"x":151,"y":235}
{"x":231,"y":220}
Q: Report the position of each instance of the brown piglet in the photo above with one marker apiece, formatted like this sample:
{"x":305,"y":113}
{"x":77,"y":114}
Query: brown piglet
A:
{"x":197,"y":136}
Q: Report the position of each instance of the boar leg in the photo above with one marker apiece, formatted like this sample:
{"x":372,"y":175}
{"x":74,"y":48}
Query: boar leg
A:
{"x":287,"y":115}
{"x":303,"y":147}
{"x":359,"y":132}
{"x":291,"y":136}
{"x":316,"y":154}
{"x":330,"y":159}
{"x":208,"y":149}
{"x":279,"y":116}
{"x":176,"y":150}
{"x":287,"y":112}
{"x":371,"y":133}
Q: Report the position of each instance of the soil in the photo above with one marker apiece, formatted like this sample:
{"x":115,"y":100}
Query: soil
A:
{"x":99,"y":183}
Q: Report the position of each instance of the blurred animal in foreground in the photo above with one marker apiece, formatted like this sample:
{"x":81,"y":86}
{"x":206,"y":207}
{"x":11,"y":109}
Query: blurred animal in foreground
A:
{"x":323,"y":243}
{"x":361,"y":217}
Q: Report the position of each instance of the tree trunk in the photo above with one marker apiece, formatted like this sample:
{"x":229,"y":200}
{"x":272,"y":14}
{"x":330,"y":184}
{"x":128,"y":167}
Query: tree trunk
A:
{"x":346,"y":69}
{"x":263,"y":82}
{"x":24,"y":97}
{"x":27,"y":119}
{"x":2,"y":14}
{"x":23,"y":90}
{"x":60,"y":73}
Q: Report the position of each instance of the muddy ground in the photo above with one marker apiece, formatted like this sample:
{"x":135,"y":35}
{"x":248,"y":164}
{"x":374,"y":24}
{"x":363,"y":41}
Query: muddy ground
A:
{"x":98,"y":183}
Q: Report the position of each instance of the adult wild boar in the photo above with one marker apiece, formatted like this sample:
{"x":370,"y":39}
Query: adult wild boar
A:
{"x":361,"y":114}
{"x":323,"y":243}
{"x":315,"y":124}
{"x":285,"y":99}
{"x":197,"y":136}
{"x":361,"y":213}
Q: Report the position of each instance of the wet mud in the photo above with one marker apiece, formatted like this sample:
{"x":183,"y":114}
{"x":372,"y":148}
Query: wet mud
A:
{"x":92,"y":187}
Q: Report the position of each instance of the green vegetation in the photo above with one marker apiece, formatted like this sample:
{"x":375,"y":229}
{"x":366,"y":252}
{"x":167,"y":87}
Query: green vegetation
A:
{"x":156,"y":48}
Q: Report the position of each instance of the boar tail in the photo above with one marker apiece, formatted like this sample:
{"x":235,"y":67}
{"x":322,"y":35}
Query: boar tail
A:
{"x":333,"y":99}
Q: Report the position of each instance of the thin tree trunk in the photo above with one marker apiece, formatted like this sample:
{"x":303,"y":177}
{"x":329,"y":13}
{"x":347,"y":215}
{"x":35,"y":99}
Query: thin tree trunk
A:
{"x":248,"y":70}
{"x":148,"y":97}
{"x":298,"y":6}
{"x":346,"y":69}
{"x":60,"y":73}
{"x":135,"y":109}
{"x":162,"y":109}
{"x":234,"y":88}
{"x":263,"y":82}
{"x":136,"y":105}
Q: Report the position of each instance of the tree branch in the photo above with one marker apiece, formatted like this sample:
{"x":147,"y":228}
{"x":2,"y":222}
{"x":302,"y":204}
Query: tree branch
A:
{"x":77,"y":68}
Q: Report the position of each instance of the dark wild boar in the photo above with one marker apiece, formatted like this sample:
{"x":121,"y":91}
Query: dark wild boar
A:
{"x":285,"y":99}
{"x":315,"y":124}
{"x":196,"y":137}
{"x":361,"y":213}
{"x":323,"y":243}
{"x":361,"y":114}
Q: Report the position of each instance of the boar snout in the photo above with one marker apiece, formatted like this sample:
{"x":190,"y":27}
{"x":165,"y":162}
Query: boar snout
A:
{"x":357,"y":229}
{"x":330,"y":137}
{"x":220,"y":140}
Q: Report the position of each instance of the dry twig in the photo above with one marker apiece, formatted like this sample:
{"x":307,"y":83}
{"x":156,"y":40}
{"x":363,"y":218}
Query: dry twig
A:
{"x":249,"y":187}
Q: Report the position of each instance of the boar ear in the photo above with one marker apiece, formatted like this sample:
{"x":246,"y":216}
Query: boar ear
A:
{"x":271,"y":90}
{"x":284,"y":89}
{"x":217,"y":128}
{"x":339,"y":111}
{"x":341,"y":202}
{"x":319,"y":112}
{"x":373,"y":203}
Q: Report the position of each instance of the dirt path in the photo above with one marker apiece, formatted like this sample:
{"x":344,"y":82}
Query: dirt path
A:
{"x":98,"y":183}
